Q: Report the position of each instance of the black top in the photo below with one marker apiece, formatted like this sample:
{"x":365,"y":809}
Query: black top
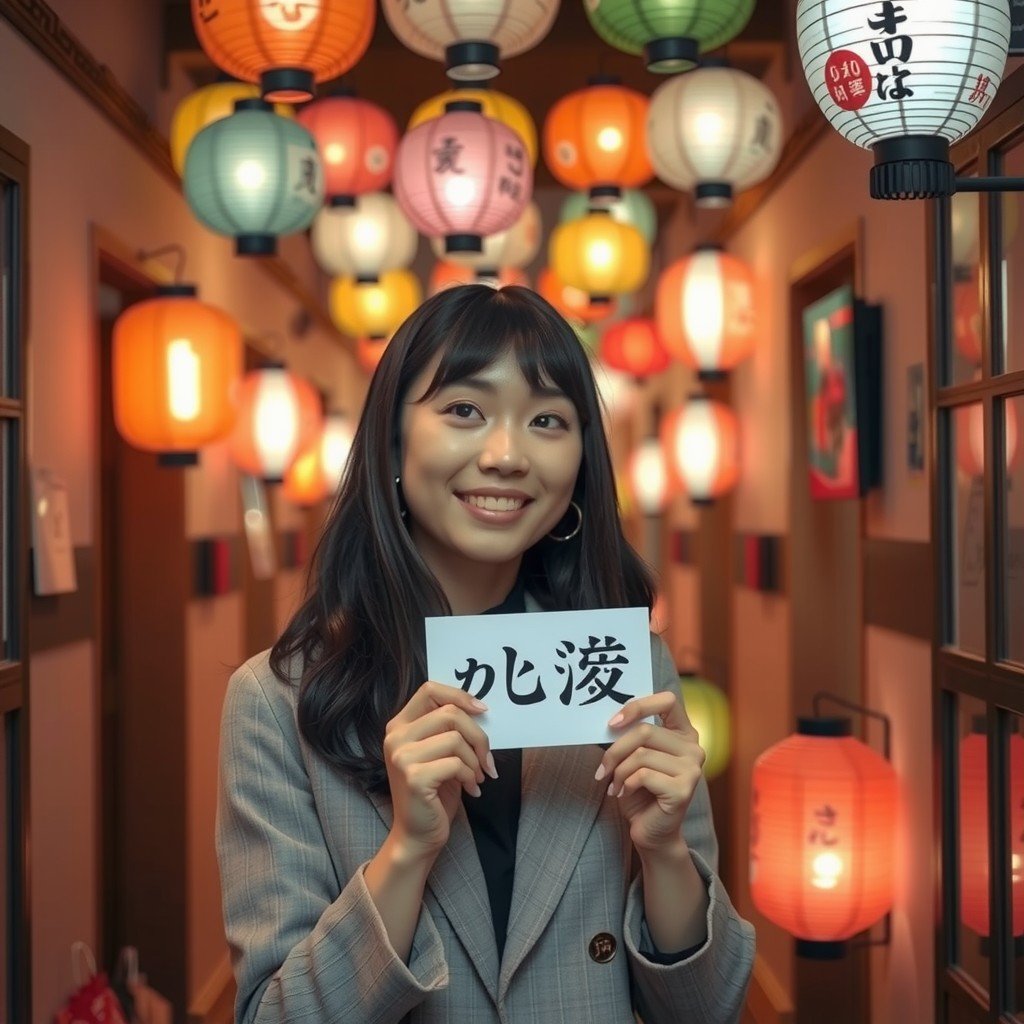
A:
{"x":494,"y":818}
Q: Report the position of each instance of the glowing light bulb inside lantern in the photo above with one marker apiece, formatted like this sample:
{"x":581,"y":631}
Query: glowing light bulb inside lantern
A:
{"x":704,"y":306}
{"x":709,"y":127}
{"x":334,"y":153}
{"x":367,"y":234}
{"x":334,"y":450}
{"x":459,"y":191}
{"x":827,"y":868}
{"x":183,"y":369}
{"x":290,"y":15}
{"x":375,"y":301}
{"x":276,"y":427}
{"x":600,"y":254}
{"x":700,"y":448}
{"x":609,"y":139}
{"x":250,"y":174}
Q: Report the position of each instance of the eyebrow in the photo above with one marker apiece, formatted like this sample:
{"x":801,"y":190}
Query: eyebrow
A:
{"x":482,"y":384}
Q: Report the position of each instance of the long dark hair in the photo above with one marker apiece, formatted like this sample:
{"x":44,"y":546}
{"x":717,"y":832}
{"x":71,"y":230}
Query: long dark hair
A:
{"x":357,"y":642}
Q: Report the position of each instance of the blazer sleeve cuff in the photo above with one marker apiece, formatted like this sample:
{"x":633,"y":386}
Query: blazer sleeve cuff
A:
{"x":707,"y":987}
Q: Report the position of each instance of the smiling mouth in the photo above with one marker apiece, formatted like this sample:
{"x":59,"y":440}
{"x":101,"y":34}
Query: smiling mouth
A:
{"x":491,"y":504}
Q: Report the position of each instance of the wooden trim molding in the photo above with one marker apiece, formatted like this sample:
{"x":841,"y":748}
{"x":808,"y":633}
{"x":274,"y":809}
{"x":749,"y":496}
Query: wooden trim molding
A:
{"x":44,"y":30}
{"x":767,"y":1001}
{"x":899,"y":586}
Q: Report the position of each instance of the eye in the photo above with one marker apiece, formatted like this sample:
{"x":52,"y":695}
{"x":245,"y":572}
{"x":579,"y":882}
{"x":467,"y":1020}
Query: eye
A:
{"x":553,"y":420}
{"x":461,"y":410}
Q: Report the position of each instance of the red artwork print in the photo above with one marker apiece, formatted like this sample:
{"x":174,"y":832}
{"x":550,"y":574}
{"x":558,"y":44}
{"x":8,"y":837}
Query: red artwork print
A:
{"x":848,"y":79}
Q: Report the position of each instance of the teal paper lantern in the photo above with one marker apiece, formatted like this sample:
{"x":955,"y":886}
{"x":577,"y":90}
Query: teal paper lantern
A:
{"x":254,"y":176}
{"x":632,"y":208}
{"x":672,"y":34}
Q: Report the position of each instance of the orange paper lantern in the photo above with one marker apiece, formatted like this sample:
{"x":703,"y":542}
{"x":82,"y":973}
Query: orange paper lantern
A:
{"x":278,"y":417}
{"x":595,"y":139}
{"x":176,"y":363}
{"x":701,"y":443}
{"x":286,"y":47}
{"x":572,"y":303}
{"x":823,"y":817}
{"x":634,"y":346}
{"x":304,"y":481}
{"x":369,"y":352}
{"x":447,"y":275}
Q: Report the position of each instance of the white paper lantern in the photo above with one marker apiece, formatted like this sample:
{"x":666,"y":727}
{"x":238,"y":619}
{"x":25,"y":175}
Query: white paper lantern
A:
{"x":335,"y":446}
{"x":648,"y":477}
{"x":716,"y":130}
{"x":364,"y":240}
{"x":515,"y":247}
{"x":470,"y":37}
{"x":701,"y":442}
{"x":904,"y":79}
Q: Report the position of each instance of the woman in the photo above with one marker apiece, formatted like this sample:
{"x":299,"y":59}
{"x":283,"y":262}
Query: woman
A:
{"x":378,"y":862}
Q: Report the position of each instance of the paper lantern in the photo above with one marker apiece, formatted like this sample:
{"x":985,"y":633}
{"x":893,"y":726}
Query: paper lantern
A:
{"x":356,"y":140}
{"x":514,"y":247}
{"x":704,"y":308}
{"x":823,"y":817}
{"x":634,"y":346}
{"x":254,"y":176}
{"x":968,"y":317}
{"x":317,"y":472}
{"x":287,"y":47}
{"x":594,"y":139}
{"x":670,"y":33}
{"x":970,"y":436}
{"x":278,"y":417}
{"x":599,"y":256}
{"x":206,"y":105}
{"x":632,"y":207}
{"x":493,"y":104}
{"x":462,"y":176}
{"x":573,"y":303}
{"x":369,"y":352}
{"x":701,"y":442}
{"x":374,"y":310}
{"x":648,"y":477}
{"x":471,"y":38}
{"x":904,"y":80}
{"x":707,"y":707}
{"x":715,"y":131}
{"x":973,"y":830}
{"x":176,"y":363}
{"x":364,"y":240}
{"x":449,"y":275}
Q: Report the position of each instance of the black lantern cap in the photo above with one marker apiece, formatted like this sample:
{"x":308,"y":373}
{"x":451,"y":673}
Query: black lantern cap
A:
{"x":173,"y":459}
{"x":808,"y":949}
{"x":341,"y":200}
{"x":468,"y":106}
{"x":603,"y":78}
{"x":671,"y":55}
{"x":471,"y":60}
{"x":463,"y":243}
{"x":273,"y":479}
{"x":367,"y":279}
{"x":824,"y":726}
{"x":712,"y":375}
{"x":912,"y":167}
{"x":256,"y":245}
{"x":600,"y":300}
{"x":713,"y":194}
{"x":179,"y":289}
{"x":605,"y":194}
{"x":292,"y":85}
{"x":253,"y":103}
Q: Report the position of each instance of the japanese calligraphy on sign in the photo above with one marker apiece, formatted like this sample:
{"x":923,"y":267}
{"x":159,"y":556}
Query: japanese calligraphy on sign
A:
{"x":548,"y":678}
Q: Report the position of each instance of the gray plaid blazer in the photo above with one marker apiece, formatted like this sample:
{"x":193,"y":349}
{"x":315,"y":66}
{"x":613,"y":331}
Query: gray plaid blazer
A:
{"x":307,"y":943}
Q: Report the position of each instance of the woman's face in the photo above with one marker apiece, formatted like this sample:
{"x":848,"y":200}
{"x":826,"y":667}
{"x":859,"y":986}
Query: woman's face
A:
{"x":488,"y":466}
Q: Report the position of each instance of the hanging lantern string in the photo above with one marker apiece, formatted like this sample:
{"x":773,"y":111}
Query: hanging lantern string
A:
{"x":177,"y":248}
{"x":824,"y":695}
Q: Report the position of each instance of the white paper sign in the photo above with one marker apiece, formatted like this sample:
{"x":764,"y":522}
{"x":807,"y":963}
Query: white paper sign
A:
{"x":548,"y":678}
{"x":53,"y":552}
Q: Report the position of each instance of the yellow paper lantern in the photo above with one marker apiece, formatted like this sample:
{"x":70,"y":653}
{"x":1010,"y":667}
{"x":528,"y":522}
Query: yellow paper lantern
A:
{"x":374,"y":310}
{"x":599,"y":255}
{"x":495,"y":105}
{"x":708,"y":709}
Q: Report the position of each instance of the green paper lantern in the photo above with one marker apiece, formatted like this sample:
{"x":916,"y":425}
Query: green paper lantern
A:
{"x":632,"y":208}
{"x":708,"y":710}
{"x":254,"y":176}
{"x":672,"y":34}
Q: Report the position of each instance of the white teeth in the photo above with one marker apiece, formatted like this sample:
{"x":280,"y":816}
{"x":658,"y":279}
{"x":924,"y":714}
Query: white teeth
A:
{"x":493,"y":504}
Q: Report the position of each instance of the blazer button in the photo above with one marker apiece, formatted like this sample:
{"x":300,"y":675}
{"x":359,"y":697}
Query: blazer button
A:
{"x":602,"y":947}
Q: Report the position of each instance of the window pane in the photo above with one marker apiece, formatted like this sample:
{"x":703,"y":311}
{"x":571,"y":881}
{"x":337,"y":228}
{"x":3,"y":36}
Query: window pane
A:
{"x":5,"y":870}
{"x":1012,"y":489}
{"x":1011,"y":265}
{"x":1015,"y":835}
{"x":973,"y":925}
{"x":968,"y":315}
{"x":7,"y":560}
{"x":7,"y":374}
{"x":965,"y":462}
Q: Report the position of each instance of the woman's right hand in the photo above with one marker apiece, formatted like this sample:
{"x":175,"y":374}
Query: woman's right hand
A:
{"x":433,"y":750}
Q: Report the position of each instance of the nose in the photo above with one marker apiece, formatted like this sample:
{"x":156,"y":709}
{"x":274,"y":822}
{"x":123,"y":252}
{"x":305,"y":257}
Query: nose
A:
{"x":504,"y":450}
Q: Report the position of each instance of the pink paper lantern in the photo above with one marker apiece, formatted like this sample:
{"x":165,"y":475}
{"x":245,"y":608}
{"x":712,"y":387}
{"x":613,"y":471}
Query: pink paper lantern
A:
{"x":462,"y":176}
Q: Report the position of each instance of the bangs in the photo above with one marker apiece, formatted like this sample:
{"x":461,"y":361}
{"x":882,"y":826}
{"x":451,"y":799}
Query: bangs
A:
{"x":492,"y":323}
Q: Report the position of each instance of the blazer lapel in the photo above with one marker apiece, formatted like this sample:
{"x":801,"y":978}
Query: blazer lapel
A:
{"x":559,"y":804}
{"x":457,"y":882}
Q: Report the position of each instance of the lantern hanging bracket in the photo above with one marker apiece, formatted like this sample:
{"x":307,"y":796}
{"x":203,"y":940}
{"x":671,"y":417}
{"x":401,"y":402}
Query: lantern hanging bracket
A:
{"x":824,"y":695}
{"x":177,"y":248}
{"x":990,"y":184}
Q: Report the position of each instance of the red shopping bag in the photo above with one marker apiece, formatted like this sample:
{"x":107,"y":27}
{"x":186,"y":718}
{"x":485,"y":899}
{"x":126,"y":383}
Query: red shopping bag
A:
{"x":94,"y":1001}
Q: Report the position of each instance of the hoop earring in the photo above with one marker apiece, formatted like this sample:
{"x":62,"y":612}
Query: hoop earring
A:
{"x":403,"y":512}
{"x":579,"y":525}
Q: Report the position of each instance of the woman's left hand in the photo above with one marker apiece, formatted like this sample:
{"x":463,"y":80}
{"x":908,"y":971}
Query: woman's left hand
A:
{"x":653,"y":769}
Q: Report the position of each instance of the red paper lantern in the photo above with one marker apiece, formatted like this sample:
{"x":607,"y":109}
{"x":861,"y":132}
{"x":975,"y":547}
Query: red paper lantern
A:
{"x":286,"y":47}
{"x":970,"y":437}
{"x":447,"y":275}
{"x":967,"y":317}
{"x":595,"y":139}
{"x":701,"y":443}
{"x":369,"y":352}
{"x":356,"y":140}
{"x":823,"y":817}
{"x":278,"y":417}
{"x":176,"y":363}
{"x":462,"y":176}
{"x":633,"y":346}
{"x":573,"y":303}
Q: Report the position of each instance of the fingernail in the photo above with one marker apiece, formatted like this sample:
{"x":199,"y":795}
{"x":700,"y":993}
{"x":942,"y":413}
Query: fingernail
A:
{"x":611,"y":789}
{"x":491,"y":770}
{"x":474,"y":790}
{"x":618,"y":718}
{"x":478,"y":704}
{"x":600,"y":773}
